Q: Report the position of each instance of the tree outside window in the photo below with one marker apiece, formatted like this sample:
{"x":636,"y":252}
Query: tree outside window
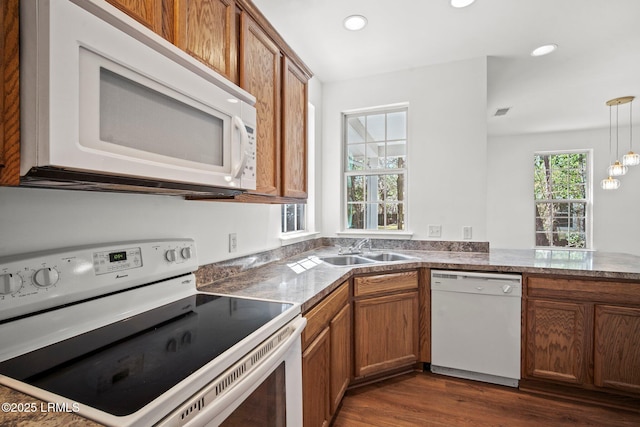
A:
{"x":561,"y":193}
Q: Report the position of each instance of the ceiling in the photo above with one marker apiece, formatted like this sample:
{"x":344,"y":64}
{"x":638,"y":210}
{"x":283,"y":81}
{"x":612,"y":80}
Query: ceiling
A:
{"x":598,"y":57}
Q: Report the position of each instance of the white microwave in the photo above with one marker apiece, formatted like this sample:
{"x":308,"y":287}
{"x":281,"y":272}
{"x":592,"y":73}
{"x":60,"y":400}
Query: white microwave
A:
{"x":107,"y":104}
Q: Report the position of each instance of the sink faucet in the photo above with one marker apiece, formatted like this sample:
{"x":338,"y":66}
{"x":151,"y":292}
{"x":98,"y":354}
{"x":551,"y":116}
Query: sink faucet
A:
{"x":356,"y":248}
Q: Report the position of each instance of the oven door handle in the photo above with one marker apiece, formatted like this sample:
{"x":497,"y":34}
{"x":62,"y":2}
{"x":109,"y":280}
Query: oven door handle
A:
{"x":219,"y":409}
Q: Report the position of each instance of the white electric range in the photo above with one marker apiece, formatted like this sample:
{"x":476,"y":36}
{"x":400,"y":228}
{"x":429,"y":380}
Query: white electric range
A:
{"x":119,"y":334}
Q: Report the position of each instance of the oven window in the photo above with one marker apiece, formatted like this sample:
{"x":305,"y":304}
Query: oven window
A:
{"x":135,"y":116}
{"x":266,"y":407}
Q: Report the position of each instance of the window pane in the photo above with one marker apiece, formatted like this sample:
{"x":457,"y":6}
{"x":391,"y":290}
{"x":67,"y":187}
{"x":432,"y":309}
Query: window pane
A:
{"x":376,"y":127}
{"x":290,"y":218}
{"x":355,"y":157}
{"x":355,"y":188}
{"x":355,"y":216}
{"x":301,"y":220}
{"x":397,"y":125}
{"x":396,"y":154}
{"x":356,"y":129}
{"x":375,"y":155}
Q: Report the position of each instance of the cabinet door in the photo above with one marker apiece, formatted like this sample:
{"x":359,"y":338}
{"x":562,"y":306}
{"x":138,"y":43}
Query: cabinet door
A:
{"x":558,"y":341}
{"x":9,"y":93}
{"x":206,"y":29}
{"x":386,"y":333}
{"x":340,"y":355}
{"x":294,"y":131}
{"x":147,"y":12}
{"x":617,"y":348}
{"x":260,"y":75}
{"x":315,"y":382}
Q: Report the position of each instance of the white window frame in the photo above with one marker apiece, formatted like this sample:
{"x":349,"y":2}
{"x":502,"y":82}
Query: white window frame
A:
{"x":588,"y":201}
{"x":290,"y":237}
{"x":401,"y":234}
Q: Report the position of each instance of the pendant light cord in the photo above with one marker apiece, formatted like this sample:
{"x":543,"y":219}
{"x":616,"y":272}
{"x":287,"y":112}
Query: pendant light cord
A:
{"x":617,"y":129}
{"x":631,"y":126}
{"x":610,"y":131}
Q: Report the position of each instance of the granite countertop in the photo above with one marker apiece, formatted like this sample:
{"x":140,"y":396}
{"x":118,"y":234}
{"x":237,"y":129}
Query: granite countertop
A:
{"x":303,"y":279}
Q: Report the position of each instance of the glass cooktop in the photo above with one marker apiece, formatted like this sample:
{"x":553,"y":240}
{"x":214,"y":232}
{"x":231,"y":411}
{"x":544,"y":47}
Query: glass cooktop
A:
{"x":122,"y":367}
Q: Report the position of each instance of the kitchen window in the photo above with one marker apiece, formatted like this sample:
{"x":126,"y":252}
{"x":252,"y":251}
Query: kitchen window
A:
{"x":294,"y":217}
{"x":562,"y":194}
{"x":375,"y":169}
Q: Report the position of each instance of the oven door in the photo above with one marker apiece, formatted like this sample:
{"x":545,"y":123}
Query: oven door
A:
{"x":267,"y":395}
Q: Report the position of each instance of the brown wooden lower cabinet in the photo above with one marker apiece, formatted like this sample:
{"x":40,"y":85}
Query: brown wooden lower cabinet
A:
{"x":557,"y":340}
{"x":582,"y":332}
{"x":315,"y":381}
{"x":340,"y":356}
{"x":326,"y":357}
{"x":385,"y":325}
{"x":617,"y":348}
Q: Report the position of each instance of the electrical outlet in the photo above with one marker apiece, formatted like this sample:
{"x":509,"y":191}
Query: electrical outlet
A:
{"x":435,"y":230}
{"x":466,"y":232}
{"x":233,"y":242}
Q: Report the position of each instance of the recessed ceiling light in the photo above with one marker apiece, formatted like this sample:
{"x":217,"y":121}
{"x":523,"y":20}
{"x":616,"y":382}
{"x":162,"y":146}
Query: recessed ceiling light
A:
{"x":544,"y":50}
{"x":355,"y":22}
{"x":461,"y":3}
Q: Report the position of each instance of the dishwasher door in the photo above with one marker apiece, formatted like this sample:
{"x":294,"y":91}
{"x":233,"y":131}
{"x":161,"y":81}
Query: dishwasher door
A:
{"x":475,"y":326}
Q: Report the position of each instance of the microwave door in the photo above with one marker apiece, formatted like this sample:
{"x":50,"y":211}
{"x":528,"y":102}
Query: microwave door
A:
{"x":136,"y":125}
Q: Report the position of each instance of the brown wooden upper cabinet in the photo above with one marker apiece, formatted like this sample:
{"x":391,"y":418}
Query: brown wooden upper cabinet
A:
{"x":280,"y":88}
{"x":261,"y":75}
{"x":233,"y":38}
{"x":9,"y":93}
{"x":147,"y":12}
{"x":294,"y":131}
{"x":206,"y":29}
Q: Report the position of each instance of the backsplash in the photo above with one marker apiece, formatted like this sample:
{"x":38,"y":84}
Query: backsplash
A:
{"x":220,"y":270}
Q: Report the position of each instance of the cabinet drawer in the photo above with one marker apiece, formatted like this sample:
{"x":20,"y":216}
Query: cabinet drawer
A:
{"x":370,"y":285}
{"x":583,"y":289}
{"x":320,"y":315}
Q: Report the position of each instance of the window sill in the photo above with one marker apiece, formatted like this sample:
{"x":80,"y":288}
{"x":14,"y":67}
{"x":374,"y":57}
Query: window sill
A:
{"x":394,"y":235}
{"x":296,"y":237}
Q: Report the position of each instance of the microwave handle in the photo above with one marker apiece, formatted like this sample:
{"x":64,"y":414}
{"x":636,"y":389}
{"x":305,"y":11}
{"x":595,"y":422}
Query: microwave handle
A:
{"x":244,"y":142}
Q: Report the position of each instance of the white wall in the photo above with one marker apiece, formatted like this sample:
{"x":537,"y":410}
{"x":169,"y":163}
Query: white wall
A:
{"x":447,"y":144}
{"x":510,"y":207}
{"x":36,"y":219}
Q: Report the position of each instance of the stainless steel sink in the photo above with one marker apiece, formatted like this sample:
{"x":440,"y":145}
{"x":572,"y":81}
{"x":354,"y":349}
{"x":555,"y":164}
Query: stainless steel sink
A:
{"x":366,"y":258}
{"x":386,"y":256}
{"x":346,"y":260}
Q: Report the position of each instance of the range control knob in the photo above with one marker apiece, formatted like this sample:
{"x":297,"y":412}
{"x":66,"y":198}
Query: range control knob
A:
{"x":46,"y":277}
{"x":9,"y":283}
{"x":186,"y":253}
{"x":170,"y":255}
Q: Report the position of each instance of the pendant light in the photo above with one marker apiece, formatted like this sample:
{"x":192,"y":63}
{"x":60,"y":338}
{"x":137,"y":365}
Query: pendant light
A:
{"x":617,"y":168}
{"x":613,"y":170}
{"x":631,"y":158}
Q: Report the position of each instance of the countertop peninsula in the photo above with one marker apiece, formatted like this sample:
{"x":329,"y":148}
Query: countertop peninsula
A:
{"x":303,"y":278}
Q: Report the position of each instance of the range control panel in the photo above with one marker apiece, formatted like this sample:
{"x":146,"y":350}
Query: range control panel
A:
{"x":43,"y":280}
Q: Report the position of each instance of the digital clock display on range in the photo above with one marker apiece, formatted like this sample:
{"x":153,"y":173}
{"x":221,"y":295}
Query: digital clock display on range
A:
{"x":118,"y":256}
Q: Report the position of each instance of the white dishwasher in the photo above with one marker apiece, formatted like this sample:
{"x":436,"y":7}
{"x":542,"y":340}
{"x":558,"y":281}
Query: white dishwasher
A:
{"x":475,"y":326}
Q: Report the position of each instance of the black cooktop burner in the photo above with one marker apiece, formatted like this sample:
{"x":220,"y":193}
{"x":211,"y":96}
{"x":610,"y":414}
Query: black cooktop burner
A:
{"x":123,"y":366}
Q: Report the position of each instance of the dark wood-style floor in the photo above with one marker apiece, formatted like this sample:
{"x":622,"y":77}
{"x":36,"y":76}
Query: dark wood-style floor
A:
{"x":424,"y":399}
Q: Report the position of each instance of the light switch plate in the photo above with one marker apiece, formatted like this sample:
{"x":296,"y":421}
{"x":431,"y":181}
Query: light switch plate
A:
{"x":435,"y":230}
{"x":233,"y":242}
{"x":466,"y":232}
